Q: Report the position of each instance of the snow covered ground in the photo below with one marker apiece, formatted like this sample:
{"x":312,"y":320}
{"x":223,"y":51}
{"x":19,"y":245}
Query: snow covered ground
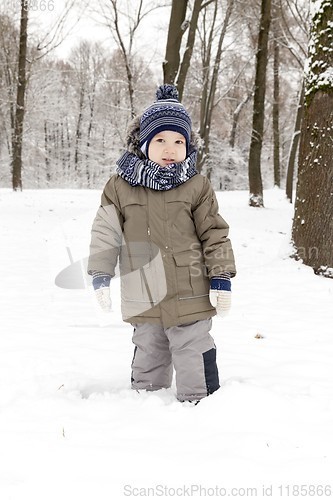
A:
{"x":72,"y":429}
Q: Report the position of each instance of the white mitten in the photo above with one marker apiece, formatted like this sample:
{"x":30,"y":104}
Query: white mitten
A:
{"x":220,"y":294}
{"x":221,"y":300}
{"x":101,"y":284}
{"x":103,"y":298}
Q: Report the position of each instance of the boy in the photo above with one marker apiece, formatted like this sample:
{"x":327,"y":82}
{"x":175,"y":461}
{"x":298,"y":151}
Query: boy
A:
{"x":160,"y":217}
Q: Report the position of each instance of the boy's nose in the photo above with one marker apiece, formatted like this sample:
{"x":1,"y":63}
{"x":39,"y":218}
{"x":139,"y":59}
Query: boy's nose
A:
{"x":168,"y":148}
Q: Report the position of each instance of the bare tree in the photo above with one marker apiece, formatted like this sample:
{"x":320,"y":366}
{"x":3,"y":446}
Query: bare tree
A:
{"x":9,"y":36}
{"x":124,"y":21}
{"x":96,"y":68}
{"x":177,"y":28}
{"x":210,"y":79}
{"x":255,"y":180}
{"x":294,"y":145}
{"x":294,"y":34}
{"x":57,"y":33}
{"x":276,"y":101}
{"x":187,"y":56}
{"x":313,"y":220}
{"x":87,"y":63}
{"x":235,"y":117}
{"x":175,"y":67}
{"x":20,"y":109}
{"x":27,"y":56}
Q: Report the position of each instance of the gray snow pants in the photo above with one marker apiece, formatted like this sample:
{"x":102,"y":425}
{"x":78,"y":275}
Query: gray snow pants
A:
{"x":189,"y":348}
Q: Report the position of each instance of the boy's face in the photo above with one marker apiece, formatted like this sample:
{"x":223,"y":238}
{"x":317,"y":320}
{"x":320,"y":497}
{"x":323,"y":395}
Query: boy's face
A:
{"x":167,"y":147}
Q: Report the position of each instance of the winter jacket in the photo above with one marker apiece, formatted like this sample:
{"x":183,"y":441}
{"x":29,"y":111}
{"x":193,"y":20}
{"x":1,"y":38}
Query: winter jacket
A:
{"x":169,"y":244}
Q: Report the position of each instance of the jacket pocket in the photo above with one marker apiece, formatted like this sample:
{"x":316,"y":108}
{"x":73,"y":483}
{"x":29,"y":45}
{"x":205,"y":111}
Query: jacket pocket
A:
{"x":191,"y":275}
{"x":135,"y":215}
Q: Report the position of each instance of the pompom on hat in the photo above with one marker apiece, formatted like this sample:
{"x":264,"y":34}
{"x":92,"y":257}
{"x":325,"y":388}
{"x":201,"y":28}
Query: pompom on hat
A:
{"x":166,"y":113}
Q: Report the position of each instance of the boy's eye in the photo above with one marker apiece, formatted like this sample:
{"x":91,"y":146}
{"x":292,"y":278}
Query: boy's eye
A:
{"x":179,"y":141}
{"x":159,"y":139}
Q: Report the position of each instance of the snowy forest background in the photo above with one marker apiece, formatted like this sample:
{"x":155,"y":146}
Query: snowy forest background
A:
{"x":257,"y":78}
{"x":78,"y":103}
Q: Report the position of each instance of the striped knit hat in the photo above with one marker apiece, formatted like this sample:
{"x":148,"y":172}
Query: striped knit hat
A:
{"x":167,"y":113}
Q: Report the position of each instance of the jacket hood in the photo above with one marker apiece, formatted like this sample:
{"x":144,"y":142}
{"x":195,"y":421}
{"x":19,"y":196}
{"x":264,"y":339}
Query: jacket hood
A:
{"x":133,"y":139}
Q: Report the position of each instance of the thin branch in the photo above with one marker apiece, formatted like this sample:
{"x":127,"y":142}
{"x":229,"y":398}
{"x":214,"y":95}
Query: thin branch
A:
{"x":54,"y":42}
{"x":203,"y":6}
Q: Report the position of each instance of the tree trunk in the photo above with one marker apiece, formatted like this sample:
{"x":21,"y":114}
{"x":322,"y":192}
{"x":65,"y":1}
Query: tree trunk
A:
{"x":47,"y":153}
{"x":276,"y":109}
{"x":294,"y":146}
{"x":127,"y":54}
{"x":78,"y":132}
{"x":208,"y":95}
{"x":185,"y":64}
{"x":130,"y":84}
{"x":313,"y":220}
{"x":235,"y":118}
{"x":20,"y":110}
{"x":69,"y":152}
{"x":176,"y":31}
{"x":90,"y":127}
{"x":7,"y":75}
{"x":203,"y":151}
{"x":255,"y":181}
{"x":63,"y":148}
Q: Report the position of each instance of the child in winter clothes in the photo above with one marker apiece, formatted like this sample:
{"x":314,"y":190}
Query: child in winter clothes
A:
{"x":160,"y":217}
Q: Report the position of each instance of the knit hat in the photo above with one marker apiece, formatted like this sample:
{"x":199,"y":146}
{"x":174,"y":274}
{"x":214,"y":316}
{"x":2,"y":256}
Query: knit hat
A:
{"x":167,"y":113}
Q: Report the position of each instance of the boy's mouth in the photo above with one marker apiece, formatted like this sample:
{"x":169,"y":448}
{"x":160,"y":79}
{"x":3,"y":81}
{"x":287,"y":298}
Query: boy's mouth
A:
{"x":168,"y":161}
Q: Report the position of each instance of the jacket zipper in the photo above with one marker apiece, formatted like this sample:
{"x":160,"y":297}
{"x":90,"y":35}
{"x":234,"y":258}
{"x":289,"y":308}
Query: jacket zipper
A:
{"x":194,"y":297}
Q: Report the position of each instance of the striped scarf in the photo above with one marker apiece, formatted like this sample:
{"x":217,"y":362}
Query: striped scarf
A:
{"x":151,"y":175}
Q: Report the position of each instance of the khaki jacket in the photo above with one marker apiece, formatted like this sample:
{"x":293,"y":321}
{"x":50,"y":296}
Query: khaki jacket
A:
{"x":168,"y":244}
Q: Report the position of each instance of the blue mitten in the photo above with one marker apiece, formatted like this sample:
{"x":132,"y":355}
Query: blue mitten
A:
{"x":101,"y":284}
{"x":220,"y":294}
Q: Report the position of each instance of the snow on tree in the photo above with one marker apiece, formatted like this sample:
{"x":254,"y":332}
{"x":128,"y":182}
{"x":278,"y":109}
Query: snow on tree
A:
{"x":313,"y":219}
